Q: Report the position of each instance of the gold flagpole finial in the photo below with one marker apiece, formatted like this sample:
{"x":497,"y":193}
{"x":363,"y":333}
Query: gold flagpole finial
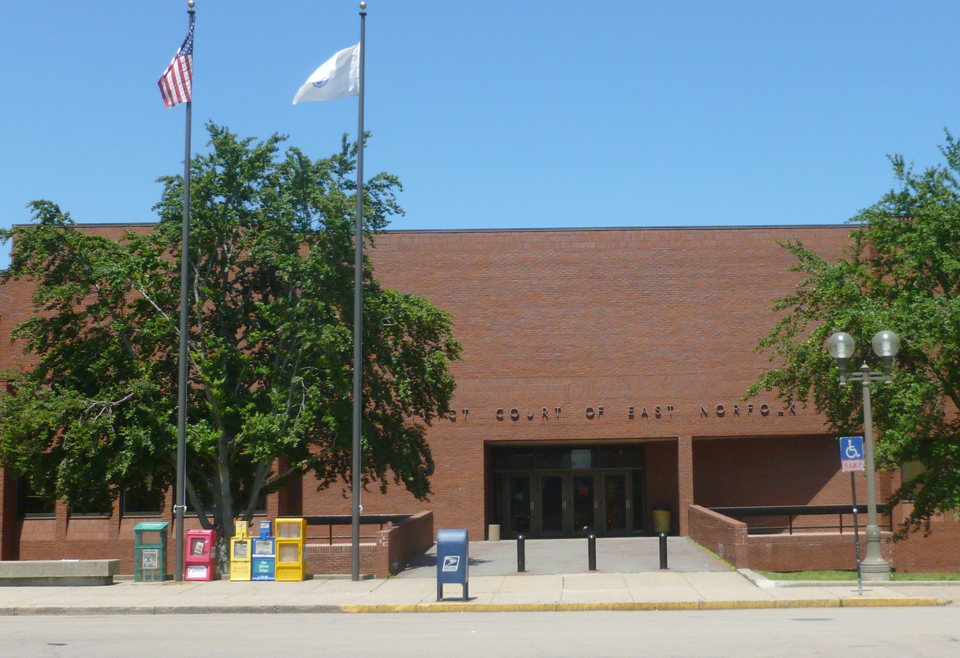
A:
{"x":363,"y":5}
{"x":191,"y":4}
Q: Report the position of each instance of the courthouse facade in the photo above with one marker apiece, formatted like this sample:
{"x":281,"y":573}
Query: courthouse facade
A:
{"x":602,"y":378}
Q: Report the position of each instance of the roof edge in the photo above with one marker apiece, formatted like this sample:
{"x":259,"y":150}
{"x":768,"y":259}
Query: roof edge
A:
{"x":555,"y":229}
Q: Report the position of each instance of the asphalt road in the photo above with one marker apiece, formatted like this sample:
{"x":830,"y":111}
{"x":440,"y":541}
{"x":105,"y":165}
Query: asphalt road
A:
{"x":850,"y":633}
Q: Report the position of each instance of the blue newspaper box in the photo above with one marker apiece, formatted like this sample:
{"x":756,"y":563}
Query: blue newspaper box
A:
{"x":452,"y":560}
{"x":263,"y":565}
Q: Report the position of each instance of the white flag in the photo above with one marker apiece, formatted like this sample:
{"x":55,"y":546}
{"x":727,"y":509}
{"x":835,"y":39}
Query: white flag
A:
{"x":338,"y":77}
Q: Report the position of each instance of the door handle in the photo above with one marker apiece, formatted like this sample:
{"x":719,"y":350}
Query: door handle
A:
{"x":533,"y":505}
{"x":563,"y":505}
{"x":596,"y":504}
{"x":628,"y":503}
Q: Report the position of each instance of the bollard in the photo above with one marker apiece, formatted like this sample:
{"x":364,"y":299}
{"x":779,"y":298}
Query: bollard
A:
{"x":592,"y":552}
{"x":521,"y":554}
{"x":663,"y":550}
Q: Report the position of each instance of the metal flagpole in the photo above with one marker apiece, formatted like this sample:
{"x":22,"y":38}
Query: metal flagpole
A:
{"x":179,"y":507}
{"x":358,"y":323}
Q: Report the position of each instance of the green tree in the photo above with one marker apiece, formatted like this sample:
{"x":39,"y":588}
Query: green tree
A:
{"x":901,"y":272}
{"x":271,"y":336}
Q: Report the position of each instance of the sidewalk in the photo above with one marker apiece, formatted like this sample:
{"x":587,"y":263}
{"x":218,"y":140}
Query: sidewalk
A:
{"x":510,"y":593}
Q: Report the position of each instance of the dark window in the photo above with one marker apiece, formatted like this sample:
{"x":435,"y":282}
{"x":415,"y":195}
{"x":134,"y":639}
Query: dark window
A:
{"x":514,"y":460}
{"x":30,"y":504}
{"x":553,"y":458}
{"x":144,"y":499}
{"x":619,"y":457}
{"x":93,"y":508}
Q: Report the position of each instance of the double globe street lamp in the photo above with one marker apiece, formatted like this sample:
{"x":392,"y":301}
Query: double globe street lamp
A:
{"x":886,"y":344}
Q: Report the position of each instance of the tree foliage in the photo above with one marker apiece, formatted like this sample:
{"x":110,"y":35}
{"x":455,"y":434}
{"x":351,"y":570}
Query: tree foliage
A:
{"x":270,"y":346}
{"x":901,"y":272}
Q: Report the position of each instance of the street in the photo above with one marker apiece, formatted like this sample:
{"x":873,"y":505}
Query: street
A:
{"x":873,"y":633}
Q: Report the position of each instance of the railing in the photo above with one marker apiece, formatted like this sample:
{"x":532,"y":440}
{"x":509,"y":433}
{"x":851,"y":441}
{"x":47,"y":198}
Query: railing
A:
{"x":792,"y":511}
{"x":331,"y":520}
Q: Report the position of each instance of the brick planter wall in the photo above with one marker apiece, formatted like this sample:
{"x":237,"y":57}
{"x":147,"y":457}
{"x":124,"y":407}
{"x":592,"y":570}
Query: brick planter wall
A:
{"x":813,"y":551}
{"x":398,"y":544}
{"x":395,"y":546}
{"x":724,"y":536}
{"x":807,"y":551}
{"x":337,"y":558}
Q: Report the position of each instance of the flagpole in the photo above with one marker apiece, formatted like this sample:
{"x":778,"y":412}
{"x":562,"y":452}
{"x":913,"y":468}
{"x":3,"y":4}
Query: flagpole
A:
{"x":358,"y":322}
{"x":180,"y":506}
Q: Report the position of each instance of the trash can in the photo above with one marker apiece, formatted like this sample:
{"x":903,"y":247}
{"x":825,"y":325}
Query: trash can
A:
{"x":199,"y":557}
{"x":661,"y":521}
{"x":452,"y":560}
{"x":150,"y":551}
{"x":493,"y":532}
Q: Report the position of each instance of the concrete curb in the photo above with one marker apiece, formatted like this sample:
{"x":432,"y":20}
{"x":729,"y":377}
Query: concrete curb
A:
{"x":455,"y":606}
{"x":885,"y":602}
{"x":764,"y":582}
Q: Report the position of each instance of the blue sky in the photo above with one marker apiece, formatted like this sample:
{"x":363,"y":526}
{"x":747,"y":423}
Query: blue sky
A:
{"x":496,"y":114}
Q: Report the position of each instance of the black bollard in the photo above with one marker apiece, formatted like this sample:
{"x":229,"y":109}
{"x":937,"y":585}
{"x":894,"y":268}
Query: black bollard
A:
{"x":521,"y":554}
{"x":663,"y":550}
{"x":592,"y":552}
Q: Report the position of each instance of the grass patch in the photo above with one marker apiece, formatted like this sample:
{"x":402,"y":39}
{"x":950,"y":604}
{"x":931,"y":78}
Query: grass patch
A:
{"x":926,"y":576}
{"x":851,"y":575}
{"x":809,"y":575}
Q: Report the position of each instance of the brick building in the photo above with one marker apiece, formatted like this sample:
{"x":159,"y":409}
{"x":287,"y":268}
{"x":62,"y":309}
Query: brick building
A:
{"x":601,"y":379}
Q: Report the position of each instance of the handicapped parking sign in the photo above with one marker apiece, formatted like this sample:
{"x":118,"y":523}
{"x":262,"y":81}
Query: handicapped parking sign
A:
{"x":851,"y":453}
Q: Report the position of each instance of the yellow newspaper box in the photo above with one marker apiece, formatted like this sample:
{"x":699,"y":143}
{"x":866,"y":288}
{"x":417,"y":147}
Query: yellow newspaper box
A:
{"x":240,"y":553}
{"x":291,"y":562}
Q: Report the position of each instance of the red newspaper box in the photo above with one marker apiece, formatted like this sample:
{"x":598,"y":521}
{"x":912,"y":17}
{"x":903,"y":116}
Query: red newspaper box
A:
{"x":199,"y":560}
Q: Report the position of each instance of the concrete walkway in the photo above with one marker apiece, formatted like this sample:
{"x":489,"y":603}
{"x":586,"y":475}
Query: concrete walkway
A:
{"x":569,"y":556}
{"x":518,"y":592}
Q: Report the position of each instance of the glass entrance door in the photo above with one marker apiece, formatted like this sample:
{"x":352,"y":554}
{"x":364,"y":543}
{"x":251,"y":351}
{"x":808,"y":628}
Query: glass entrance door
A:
{"x":584,"y":504}
{"x":553,"y":506}
{"x":558,"y":491}
{"x":519,"y":505}
{"x":615,"y":503}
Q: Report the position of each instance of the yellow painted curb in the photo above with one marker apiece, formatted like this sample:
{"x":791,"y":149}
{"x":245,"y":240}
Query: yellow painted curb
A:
{"x":891,"y":602}
{"x":456,"y":606}
{"x":765,"y":604}
{"x":808,"y":603}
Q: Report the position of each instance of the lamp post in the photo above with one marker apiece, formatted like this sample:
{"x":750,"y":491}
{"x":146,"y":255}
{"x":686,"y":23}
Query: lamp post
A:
{"x":886,"y":344}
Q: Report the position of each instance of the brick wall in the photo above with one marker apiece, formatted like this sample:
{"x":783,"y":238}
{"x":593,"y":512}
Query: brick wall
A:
{"x":662,"y":491}
{"x":815,"y":551}
{"x":397,"y":545}
{"x":612,"y":318}
{"x":812,"y":551}
{"x":338,"y":558}
{"x":937,"y":551}
{"x":724,"y":536}
{"x":91,"y":539}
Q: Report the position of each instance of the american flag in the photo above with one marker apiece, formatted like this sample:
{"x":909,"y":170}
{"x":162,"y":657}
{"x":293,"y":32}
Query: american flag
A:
{"x":177,"y":81}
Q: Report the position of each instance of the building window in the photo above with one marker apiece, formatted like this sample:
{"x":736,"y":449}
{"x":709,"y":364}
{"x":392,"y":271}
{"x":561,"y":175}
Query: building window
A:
{"x":143,"y":500}
{"x":95,"y":509}
{"x":32,"y":505}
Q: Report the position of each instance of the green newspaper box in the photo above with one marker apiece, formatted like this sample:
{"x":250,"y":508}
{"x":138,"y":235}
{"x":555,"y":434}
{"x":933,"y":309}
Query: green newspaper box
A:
{"x":150,"y":551}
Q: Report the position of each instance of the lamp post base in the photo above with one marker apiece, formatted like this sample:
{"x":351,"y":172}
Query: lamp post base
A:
{"x":875,"y":572}
{"x":874,"y":567}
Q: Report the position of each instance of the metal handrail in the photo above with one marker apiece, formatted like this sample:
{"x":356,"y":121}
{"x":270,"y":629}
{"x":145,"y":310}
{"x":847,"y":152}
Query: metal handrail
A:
{"x":791,"y":511}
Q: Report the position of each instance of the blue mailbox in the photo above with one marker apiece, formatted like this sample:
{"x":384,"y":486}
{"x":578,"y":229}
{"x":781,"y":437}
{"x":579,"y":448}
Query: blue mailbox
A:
{"x":452,"y":560}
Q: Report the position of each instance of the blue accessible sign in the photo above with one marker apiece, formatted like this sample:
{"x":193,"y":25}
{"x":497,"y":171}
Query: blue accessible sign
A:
{"x":851,"y":453}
